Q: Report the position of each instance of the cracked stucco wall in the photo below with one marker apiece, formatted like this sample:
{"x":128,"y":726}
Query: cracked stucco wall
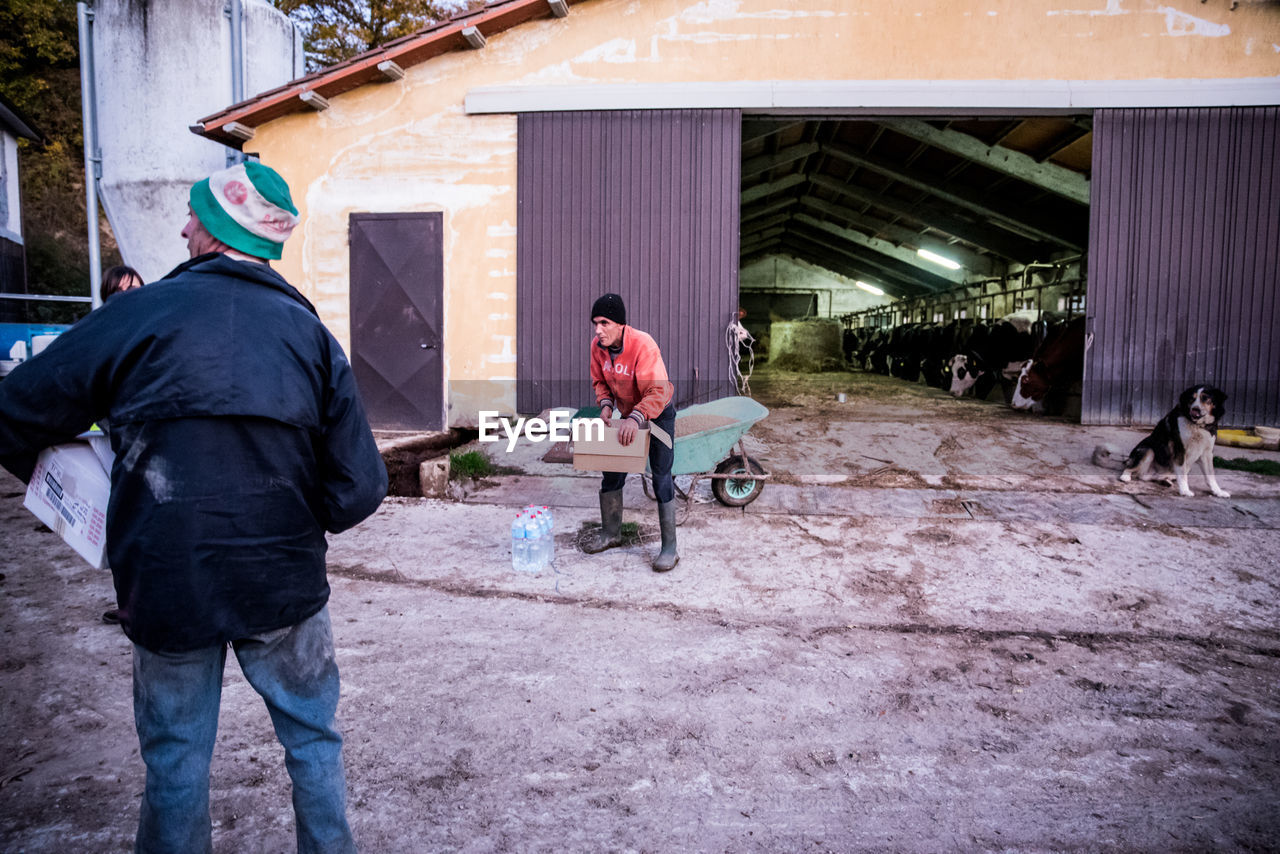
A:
{"x":409,"y":145}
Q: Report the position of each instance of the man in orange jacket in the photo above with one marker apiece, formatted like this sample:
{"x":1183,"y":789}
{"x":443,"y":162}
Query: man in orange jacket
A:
{"x":630,"y":380}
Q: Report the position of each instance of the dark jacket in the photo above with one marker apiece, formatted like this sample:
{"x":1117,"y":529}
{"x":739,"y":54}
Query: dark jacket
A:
{"x":239,"y":440}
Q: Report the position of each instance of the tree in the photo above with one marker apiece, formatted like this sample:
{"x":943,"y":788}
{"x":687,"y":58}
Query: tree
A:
{"x":334,"y":30}
{"x":40,"y":74}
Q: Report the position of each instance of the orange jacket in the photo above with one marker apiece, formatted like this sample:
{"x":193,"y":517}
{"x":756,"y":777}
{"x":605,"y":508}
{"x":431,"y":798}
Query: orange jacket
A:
{"x":633,"y":382}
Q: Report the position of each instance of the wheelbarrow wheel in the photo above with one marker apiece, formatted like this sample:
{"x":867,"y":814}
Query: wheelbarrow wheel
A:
{"x":737,"y":491}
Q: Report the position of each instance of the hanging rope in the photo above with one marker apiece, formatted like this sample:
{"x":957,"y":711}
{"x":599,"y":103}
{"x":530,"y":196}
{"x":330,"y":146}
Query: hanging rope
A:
{"x":735,"y":337}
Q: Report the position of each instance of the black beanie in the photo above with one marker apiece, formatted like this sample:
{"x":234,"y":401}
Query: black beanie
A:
{"x":611,"y":307}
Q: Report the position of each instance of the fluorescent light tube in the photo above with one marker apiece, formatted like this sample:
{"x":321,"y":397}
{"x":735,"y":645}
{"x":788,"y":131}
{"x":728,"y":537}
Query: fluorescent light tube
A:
{"x":937,"y":259}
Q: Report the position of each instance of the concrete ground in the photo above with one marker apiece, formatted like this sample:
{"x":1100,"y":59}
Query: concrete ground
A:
{"x":940,"y":627}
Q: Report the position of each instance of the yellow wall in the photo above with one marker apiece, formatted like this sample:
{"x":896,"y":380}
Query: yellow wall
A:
{"x":409,"y":145}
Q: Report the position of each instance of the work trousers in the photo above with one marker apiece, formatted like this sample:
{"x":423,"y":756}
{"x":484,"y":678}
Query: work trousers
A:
{"x":660,"y":458}
{"x":175,"y":706}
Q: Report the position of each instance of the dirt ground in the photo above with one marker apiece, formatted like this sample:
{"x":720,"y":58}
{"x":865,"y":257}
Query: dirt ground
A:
{"x":939,"y":628}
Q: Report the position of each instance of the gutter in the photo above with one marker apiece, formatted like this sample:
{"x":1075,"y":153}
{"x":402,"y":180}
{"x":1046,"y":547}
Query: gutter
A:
{"x":92,"y":153}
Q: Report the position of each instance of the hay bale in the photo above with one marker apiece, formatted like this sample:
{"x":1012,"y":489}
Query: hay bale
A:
{"x":809,"y":346}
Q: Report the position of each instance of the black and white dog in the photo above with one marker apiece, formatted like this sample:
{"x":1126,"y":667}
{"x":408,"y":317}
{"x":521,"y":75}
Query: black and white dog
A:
{"x":1186,"y":434}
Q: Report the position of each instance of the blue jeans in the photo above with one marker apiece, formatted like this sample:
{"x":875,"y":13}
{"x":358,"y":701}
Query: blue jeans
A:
{"x":175,"y":707}
{"x":660,"y":459}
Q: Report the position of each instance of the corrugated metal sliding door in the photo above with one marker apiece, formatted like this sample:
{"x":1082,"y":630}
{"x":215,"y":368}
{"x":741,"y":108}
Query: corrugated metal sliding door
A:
{"x":397,"y":297}
{"x":641,"y":203}
{"x":1184,"y":262}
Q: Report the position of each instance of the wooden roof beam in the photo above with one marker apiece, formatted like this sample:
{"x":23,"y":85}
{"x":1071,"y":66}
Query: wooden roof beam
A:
{"x":853,"y":267}
{"x":1047,"y":176}
{"x":1002,"y":243}
{"x":765,"y":225}
{"x":390,"y":70}
{"x":314,"y":100}
{"x":884,"y":247}
{"x":763,"y":191}
{"x":1020,"y":222}
{"x":883,"y":265}
{"x":1064,"y":142}
{"x":766,"y":209}
{"x":790,"y":154}
{"x":769,"y":244}
{"x":762,"y":236}
{"x":984,"y":265}
{"x":753,"y":130}
{"x":830,"y":263}
{"x":877,"y":267}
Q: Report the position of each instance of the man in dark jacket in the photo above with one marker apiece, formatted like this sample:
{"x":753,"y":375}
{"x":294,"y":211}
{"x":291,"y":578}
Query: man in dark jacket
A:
{"x":239,"y":440}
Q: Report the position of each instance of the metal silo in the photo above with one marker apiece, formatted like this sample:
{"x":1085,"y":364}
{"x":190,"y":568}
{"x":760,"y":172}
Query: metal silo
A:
{"x":157,"y":66}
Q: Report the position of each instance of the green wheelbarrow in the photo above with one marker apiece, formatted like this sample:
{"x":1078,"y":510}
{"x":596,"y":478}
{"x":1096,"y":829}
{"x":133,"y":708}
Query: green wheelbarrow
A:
{"x":704,"y":449}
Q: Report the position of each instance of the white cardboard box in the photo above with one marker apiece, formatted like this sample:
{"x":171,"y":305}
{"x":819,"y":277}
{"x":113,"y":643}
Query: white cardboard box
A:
{"x":68,"y":491}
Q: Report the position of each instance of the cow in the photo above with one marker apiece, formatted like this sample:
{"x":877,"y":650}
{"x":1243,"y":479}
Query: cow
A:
{"x":963,"y":366}
{"x":911,"y":350}
{"x":992,"y":353}
{"x":1026,"y":318}
{"x":874,"y":354}
{"x":899,"y":350}
{"x":1058,"y":363}
{"x":852,"y":340}
{"x":857,"y":342}
{"x":943,"y":342}
{"x":869,"y":347}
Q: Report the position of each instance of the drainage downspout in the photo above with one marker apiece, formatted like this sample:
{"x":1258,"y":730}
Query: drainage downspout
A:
{"x":235,"y":12}
{"x":92,"y":154}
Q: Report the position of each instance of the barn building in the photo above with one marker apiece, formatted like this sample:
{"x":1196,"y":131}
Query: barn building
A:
{"x":13,"y":259}
{"x":468,"y":190}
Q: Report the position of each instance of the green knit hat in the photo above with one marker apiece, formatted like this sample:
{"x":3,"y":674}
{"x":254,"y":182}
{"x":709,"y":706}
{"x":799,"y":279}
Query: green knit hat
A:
{"x":247,"y":207}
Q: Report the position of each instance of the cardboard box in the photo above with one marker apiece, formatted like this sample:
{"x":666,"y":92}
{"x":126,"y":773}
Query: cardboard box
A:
{"x":68,"y":491}
{"x":102,"y":447}
{"x":606,"y":454}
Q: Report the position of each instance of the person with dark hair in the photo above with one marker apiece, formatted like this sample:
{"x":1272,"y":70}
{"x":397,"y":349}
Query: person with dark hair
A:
{"x":227,"y":477}
{"x":630,"y":380}
{"x":119,"y":279}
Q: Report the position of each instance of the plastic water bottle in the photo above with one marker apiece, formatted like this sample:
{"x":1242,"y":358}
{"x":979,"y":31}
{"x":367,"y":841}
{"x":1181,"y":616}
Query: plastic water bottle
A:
{"x":533,"y":534}
{"x":551,"y":533}
{"x":544,"y":540}
{"x":539,"y":535}
{"x":536,"y":512}
{"x":519,"y":545}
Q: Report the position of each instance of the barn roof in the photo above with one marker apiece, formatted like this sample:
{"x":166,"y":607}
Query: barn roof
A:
{"x":465,"y":31}
{"x":861,"y":196}
{"x":857,"y":195}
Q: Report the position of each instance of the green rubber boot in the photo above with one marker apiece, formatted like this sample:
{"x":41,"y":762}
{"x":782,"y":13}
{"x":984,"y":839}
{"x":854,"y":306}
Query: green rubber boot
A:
{"x":610,"y":533}
{"x":667,"y":558}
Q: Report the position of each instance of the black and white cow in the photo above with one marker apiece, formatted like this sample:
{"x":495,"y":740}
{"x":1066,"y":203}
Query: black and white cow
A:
{"x":994,"y":353}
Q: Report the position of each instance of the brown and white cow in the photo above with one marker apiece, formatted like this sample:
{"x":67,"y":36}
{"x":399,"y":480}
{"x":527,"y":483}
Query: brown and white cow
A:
{"x":1057,"y":364}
